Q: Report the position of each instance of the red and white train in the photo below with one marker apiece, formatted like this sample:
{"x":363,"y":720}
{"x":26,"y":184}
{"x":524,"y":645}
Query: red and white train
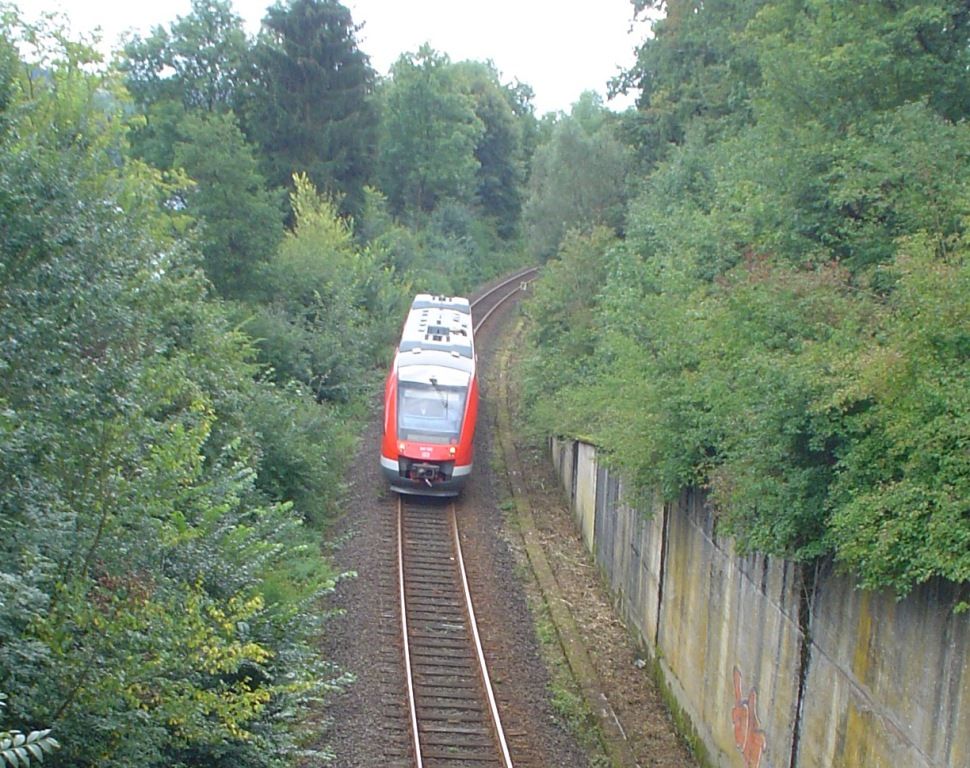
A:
{"x":431,"y":400}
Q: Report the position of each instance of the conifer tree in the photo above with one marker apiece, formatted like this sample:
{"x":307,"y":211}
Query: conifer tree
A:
{"x":308,"y":103}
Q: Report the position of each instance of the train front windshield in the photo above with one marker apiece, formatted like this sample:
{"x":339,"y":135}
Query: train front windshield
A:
{"x":430,"y":414}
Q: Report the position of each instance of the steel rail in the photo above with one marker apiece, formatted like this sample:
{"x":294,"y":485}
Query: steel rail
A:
{"x":415,"y":734}
{"x":479,"y":651}
{"x":510,"y":279}
{"x":494,"y":723}
{"x":516,"y":277}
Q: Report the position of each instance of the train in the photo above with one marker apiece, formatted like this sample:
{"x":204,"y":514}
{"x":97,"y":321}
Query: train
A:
{"x":431,"y":400}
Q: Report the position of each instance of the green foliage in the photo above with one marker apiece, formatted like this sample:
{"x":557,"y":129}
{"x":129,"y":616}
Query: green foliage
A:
{"x":18,"y":749}
{"x":564,"y":326}
{"x":453,"y":251}
{"x":240,"y":220}
{"x":396,"y":246}
{"x":196,"y":62}
{"x":693,"y":71}
{"x":895,"y":175}
{"x":837,"y":62}
{"x":327,"y":303}
{"x":187,"y":81}
{"x":786,"y":322}
{"x":766,"y":339}
{"x":301,"y":444}
{"x":157,"y":597}
{"x":500,"y":149}
{"x":463,"y":248}
{"x":900,"y":500}
{"x":308,"y":101}
{"x":9,"y":64}
{"x":429,"y":133}
{"x":578,"y":180}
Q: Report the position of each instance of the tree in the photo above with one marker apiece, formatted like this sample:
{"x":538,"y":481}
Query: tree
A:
{"x":564,"y":324}
{"x":429,"y":135}
{"x":899,"y":503}
{"x":786,"y":321}
{"x":154,"y":600}
{"x":18,"y":749}
{"x":241,"y":222}
{"x":835,"y":64}
{"x":578,"y":180}
{"x":323,"y":298}
{"x":309,"y":99}
{"x":692,"y":70}
{"x":186,"y":81}
{"x":196,"y":62}
{"x":499,"y":150}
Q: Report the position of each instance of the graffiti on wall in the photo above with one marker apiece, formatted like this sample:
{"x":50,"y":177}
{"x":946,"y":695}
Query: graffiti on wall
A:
{"x":748,"y":736}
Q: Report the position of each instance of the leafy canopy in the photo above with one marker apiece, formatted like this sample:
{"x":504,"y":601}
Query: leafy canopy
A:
{"x":785,"y":323}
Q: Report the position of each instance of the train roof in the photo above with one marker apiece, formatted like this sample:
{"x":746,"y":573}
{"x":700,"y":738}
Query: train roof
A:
{"x":430,"y":301}
{"x":438,"y":331}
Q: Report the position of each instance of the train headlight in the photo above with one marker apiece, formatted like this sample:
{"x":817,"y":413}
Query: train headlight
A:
{"x":452,"y":450}
{"x":401,"y":446}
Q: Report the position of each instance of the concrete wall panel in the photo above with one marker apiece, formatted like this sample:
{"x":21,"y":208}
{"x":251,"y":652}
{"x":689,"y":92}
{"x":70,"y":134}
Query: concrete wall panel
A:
{"x":562,"y":456}
{"x":610,"y":530}
{"x":880,"y":684}
{"x":629,"y":550}
{"x":896,"y":679}
{"x":729,"y":634}
{"x":584,"y":503}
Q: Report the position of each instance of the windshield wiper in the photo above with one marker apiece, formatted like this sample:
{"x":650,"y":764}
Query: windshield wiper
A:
{"x":441,"y":393}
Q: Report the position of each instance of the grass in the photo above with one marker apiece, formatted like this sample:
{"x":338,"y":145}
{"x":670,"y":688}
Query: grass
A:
{"x":566,"y":698}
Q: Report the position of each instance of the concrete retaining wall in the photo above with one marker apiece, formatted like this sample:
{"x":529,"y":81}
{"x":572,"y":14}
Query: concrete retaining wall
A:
{"x":888,"y":681}
{"x":777,"y":665}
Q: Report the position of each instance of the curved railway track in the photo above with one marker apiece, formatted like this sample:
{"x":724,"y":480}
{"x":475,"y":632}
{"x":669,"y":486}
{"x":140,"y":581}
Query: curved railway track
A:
{"x":485,"y":303}
{"x":454,"y":717}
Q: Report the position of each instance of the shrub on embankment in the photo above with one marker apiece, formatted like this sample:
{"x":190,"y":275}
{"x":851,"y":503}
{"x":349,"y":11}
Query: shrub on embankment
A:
{"x":787,"y":320}
{"x":158,"y":604}
{"x":182,"y":380}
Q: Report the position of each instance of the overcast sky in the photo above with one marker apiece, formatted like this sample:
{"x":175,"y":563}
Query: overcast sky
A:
{"x":559,"y":47}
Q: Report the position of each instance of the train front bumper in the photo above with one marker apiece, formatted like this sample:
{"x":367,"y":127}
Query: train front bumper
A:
{"x":424,"y":478}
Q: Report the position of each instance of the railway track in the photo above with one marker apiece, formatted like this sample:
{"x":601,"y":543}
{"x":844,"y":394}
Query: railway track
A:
{"x":485,"y":303}
{"x":454,"y":719}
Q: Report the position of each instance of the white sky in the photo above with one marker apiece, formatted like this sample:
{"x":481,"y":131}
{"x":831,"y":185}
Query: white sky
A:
{"x":558,"y":47}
